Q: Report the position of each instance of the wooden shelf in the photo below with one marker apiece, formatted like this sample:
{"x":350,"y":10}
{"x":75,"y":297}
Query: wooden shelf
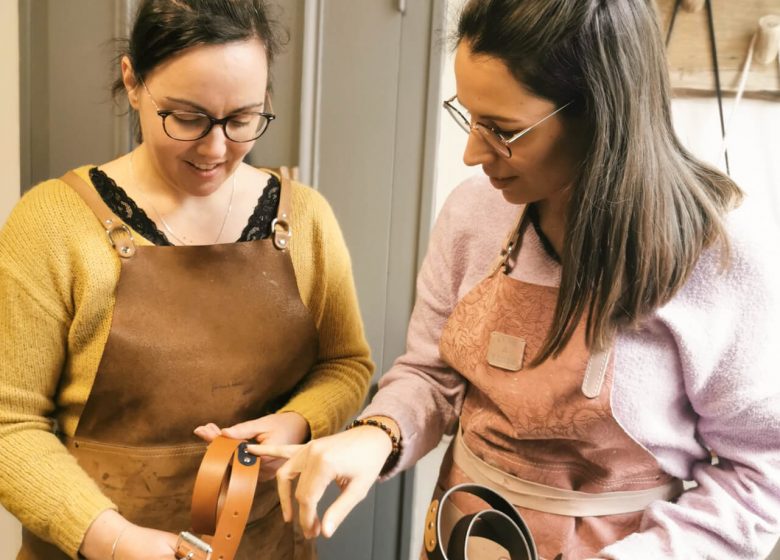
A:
{"x":689,"y":53}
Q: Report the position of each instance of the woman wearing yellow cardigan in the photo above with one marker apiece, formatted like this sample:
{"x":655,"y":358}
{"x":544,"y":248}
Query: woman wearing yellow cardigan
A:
{"x":170,"y":288}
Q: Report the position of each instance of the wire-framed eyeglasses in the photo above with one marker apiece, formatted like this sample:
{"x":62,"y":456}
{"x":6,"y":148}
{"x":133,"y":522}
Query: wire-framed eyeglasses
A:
{"x":498,"y":140}
{"x":189,"y":126}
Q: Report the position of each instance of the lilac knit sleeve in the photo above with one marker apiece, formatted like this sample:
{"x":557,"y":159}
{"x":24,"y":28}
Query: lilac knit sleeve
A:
{"x":726,"y":327}
{"x":420,"y":392}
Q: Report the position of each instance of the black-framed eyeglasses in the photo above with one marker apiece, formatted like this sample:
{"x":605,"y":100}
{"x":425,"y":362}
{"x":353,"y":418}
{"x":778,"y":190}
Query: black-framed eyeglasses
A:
{"x":189,"y":126}
{"x":498,"y":140}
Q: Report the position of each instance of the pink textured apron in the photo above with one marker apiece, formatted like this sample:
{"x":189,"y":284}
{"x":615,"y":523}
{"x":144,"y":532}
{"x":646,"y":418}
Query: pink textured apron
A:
{"x":545,"y":437}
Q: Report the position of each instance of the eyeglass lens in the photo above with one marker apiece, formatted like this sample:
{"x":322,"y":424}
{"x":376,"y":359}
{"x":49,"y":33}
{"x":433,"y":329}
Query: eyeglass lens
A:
{"x":491,"y":138}
{"x":462,"y":118}
{"x":183,"y":125}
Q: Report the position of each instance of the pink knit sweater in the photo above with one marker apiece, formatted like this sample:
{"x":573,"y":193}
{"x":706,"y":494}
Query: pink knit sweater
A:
{"x":701,"y":373}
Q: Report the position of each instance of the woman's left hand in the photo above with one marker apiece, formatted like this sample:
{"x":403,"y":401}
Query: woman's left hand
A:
{"x":275,"y":429}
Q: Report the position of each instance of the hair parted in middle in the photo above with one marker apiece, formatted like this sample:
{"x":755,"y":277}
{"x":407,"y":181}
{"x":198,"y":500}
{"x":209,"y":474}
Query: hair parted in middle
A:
{"x":165,"y":28}
{"x":642,"y":209}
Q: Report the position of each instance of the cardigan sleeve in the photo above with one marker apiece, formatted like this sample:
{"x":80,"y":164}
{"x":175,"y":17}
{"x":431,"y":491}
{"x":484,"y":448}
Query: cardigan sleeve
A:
{"x":421,"y":392}
{"x":726,"y":327}
{"x":40,"y":482}
{"x":335,"y":388}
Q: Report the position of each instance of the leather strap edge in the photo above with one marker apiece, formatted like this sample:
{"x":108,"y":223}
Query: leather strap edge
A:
{"x":119,"y":234}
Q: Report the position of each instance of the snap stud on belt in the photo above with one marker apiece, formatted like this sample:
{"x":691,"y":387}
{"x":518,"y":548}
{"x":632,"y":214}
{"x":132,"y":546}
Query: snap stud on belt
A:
{"x":221,"y":501}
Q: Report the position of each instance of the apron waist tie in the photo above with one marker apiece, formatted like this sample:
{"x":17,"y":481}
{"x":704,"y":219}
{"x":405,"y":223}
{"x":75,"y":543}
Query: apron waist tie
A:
{"x":548,"y":499}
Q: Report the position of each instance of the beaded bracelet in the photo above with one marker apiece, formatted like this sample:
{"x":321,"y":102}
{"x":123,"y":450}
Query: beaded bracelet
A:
{"x":395,"y":452}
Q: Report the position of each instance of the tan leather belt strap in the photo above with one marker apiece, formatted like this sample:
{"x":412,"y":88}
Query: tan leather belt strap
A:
{"x":539,"y":497}
{"x":223,"y":494}
{"x":280,"y":226}
{"x":119,"y":235}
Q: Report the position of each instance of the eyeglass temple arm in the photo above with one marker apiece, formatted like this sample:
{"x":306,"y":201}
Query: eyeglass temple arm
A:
{"x":523,"y":132}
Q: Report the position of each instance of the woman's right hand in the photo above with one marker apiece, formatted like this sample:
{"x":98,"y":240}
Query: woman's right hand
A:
{"x":132,"y":541}
{"x":353,"y":459}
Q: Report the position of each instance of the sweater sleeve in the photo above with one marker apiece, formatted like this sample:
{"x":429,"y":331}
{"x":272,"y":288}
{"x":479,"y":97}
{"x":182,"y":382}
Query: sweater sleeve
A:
{"x":40,"y":482}
{"x":336,"y":386}
{"x":726,"y":328}
{"x":420,"y":392}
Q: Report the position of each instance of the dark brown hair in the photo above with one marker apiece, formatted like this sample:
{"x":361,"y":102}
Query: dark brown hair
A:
{"x":164,"y":28}
{"x":642,"y":209}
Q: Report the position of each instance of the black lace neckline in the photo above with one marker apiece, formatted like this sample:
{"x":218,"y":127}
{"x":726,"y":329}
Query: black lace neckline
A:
{"x":116,"y":198}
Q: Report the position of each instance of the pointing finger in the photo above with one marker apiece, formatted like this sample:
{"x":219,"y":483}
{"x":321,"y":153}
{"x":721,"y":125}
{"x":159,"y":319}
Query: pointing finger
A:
{"x":284,"y":477}
{"x":270,"y":450}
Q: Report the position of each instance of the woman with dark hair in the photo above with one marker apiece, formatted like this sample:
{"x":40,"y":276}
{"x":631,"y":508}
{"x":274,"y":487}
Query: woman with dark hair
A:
{"x":170,"y":291}
{"x":595,"y":320}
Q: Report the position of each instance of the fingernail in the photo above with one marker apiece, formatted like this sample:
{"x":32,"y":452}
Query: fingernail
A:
{"x":328,"y":529}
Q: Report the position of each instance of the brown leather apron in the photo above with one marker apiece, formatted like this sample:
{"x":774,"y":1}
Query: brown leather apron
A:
{"x":199,"y":334}
{"x":544,"y":436}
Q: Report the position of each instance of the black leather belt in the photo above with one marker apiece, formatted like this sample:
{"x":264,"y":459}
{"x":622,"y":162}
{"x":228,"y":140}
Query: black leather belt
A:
{"x":502,"y":524}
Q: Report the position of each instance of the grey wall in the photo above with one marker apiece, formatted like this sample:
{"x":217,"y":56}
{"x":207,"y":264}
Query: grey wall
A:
{"x":66,"y":52}
{"x":280,"y":144}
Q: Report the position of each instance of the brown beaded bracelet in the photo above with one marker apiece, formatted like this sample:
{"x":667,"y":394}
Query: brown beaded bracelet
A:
{"x":395,"y":452}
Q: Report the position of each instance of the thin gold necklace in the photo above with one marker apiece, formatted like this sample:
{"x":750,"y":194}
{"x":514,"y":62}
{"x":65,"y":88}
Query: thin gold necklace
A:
{"x":182,"y":239}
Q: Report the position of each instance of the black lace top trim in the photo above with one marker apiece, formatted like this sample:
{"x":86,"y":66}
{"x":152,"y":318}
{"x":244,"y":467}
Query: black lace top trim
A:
{"x":115,"y":197}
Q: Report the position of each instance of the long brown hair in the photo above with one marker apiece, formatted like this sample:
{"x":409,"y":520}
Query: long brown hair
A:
{"x":642,"y":209}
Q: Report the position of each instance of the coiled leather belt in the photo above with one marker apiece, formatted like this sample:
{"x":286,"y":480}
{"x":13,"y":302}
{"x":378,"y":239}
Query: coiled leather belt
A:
{"x":221,"y":501}
{"x":502,"y":524}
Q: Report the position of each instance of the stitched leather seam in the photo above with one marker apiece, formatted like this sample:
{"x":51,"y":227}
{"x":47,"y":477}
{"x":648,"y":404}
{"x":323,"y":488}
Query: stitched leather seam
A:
{"x":162,"y":451}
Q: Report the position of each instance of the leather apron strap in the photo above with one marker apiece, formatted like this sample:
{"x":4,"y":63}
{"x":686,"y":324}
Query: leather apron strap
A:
{"x":282,"y":232}
{"x":119,"y":235}
{"x":509,"y":248}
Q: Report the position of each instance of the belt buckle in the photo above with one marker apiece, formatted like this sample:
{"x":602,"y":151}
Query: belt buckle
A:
{"x":190,"y":547}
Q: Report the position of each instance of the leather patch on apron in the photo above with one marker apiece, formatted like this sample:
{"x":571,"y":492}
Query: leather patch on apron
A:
{"x":506,"y":351}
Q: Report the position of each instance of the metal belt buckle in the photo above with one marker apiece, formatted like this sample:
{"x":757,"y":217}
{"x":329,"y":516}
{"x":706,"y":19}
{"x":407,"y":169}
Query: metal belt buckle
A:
{"x":190,"y":547}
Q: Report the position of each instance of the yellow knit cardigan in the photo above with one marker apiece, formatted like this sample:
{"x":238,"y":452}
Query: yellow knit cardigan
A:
{"x":57,"y":281}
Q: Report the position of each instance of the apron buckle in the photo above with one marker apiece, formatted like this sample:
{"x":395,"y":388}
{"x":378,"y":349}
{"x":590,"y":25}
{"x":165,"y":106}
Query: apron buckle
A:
{"x":282,"y":232}
{"x":121,"y":239}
